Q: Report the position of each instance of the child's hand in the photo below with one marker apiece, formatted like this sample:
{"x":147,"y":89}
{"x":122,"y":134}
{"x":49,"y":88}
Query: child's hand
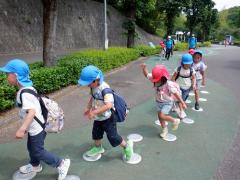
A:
{"x":194,"y":87}
{"x":91,"y":115}
{"x":203,"y":83}
{"x":86,"y":112}
{"x":143,"y":65}
{"x":20,"y":133}
{"x":184,"y":105}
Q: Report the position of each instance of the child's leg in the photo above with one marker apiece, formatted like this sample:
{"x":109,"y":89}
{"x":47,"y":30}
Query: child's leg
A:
{"x":163,"y":111}
{"x":97,"y":132}
{"x":38,"y":153}
{"x":196,"y":95}
{"x":164,"y":117}
{"x":97,"y":135}
{"x":110,"y":127}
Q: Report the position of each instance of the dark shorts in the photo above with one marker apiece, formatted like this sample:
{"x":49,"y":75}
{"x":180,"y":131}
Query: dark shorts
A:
{"x":110,"y":127}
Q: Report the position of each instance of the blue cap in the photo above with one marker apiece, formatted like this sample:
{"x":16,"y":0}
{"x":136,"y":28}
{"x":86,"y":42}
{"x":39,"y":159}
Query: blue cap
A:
{"x":89,"y":74}
{"x":187,"y":59}
{"x":21,"y":69}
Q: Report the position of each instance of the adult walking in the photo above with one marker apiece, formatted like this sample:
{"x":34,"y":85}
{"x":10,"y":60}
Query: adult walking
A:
{"x":169,"y":47}
{"x":192,"y":42}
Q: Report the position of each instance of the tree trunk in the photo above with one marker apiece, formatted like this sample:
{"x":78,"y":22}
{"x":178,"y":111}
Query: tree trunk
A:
{"x":132,"y":17}
{"x":130,"y":38}
{"x":49,"y":31}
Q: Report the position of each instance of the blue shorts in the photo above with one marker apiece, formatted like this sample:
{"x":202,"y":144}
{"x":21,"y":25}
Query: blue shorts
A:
{"x":185,"y":93}
{"x":164,"y":107}
{"x":198,"y":83}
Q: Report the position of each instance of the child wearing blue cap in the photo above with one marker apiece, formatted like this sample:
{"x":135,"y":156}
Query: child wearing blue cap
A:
{"x":99,"y":109}
{"x":184,"y":75}
{"x":200,"y":68}
{"x":17,"y":72}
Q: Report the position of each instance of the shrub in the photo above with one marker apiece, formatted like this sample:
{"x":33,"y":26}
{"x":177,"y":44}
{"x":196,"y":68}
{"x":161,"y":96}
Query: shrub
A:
{"x":205,"y":44}
{"x":68,"y":68}
{"x":147,"y":50}
{"x":49,"y":79}
{"x":181,"y":46}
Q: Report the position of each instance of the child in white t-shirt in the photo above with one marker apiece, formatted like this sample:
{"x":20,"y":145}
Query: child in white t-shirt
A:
{"x":200,"y":68}
{"x":166,"y":92}
{"x":33,"y":122}
{"x":184,"y":75}
{"x":100,"y":109}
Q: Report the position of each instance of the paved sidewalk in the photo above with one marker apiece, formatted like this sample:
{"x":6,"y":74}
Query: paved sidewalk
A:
{"x":196,"y":154}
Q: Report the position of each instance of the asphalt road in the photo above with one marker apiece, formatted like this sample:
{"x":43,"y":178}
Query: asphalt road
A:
{"x":209,"y":148}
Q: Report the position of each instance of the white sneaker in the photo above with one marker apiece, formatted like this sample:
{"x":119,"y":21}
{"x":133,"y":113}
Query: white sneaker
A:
{"x":182,"y":115}
{"x":63,"y":169}
{"x":175,"y":124}
{"x":164,"y":132}
{"x":29,"y":168}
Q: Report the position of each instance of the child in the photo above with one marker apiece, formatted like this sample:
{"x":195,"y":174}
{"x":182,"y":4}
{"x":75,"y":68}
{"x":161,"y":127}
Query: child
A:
{"x":200,"y":68}
{"x":101,"y":112}
{"x":18,"y":75}
{"x":191,"y":51}
{"x":184,"y":75}
{"x":165,"y":92}
{"x":163,"y":49}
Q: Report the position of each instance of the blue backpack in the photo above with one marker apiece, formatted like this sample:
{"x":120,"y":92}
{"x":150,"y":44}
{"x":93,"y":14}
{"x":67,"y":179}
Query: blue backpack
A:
{"x":120,"y":105}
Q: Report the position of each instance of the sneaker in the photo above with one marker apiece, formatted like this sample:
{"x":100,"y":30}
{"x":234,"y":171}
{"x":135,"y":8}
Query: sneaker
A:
{"x":29,"y":168}
{"x":128,"y":151}
{"x":164,"y":132}
{"x":197,"y":106}
{"x":182,"y":115}
{"x":95,"y":151}
{"x":63,"y":169}
{"x":175,"y":124}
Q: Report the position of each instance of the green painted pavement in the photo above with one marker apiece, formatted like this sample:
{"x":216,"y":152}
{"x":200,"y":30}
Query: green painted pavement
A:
{"x":195,"y":155}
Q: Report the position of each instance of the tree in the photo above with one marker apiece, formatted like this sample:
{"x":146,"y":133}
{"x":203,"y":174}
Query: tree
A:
{"x":130,"y":10}
{"x":197,"y":12}
{"x":49,"y":31}
{"x":171,"y":9}
{"x":209,"y":20}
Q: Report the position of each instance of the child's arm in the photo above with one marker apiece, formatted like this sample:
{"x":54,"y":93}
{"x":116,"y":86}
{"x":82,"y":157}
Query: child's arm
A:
{"x":194,"y":82}
{"x":174,"y":76}
{"x":27,"y":121}
{"x":179,"y":98}
{"x":89,"y":106}
{"x":203,"y":78}
{"x":144,"y":69}
{"x":107,"y":106}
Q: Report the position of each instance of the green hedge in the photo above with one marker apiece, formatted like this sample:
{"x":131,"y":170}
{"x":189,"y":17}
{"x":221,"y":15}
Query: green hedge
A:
{"x":67,"y":71}
{"x":183,"y":46}
{"x":147,"y":50}
{"x":7,"y":93}
{"x":205,"y":44}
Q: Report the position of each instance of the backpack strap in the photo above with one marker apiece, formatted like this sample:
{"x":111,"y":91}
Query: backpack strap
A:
{"x":191,"y":71}
{"x":104,"y":92}
{"x":43,"y":108}
{"x":178,"y":72}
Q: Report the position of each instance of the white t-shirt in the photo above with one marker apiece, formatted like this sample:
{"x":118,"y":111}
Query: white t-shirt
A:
{"x":165,"y":92}
{"x":29,"y":101}
{"x":97,"y":92}
{"x":199,"y":67}
{"x":184,"y":83}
